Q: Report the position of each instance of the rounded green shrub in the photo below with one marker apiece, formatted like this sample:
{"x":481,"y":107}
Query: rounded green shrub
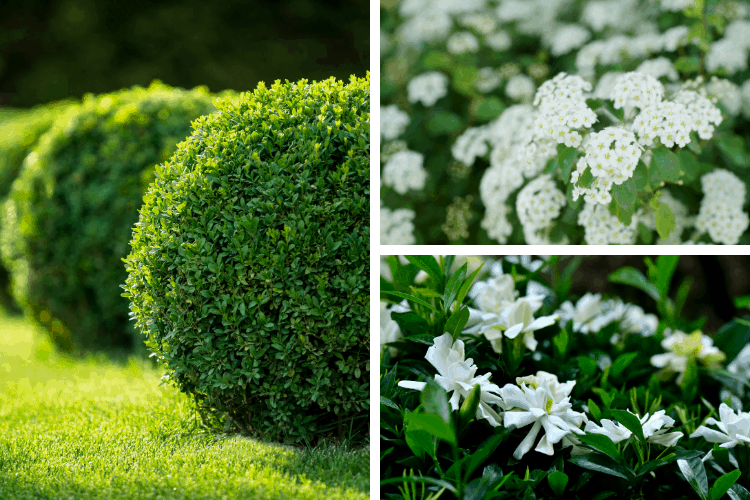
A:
{"x":19,"y":132}
{"x":70,"y":213}
{"x":249,"y":270}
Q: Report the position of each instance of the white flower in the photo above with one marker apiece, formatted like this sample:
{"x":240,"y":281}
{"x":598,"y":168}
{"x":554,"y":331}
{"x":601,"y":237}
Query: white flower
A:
{"x":456,"y":376}
{"x":544,"y":403}
{"x":470,"y":145}
{"x":520,"y":88}
{"x":527,"y":262}
{"x":704,"y":114}
{"x":658,"y":68}
{"x":637,"y":90}
{"x":389,"y":329}
{"x":487,"y":80}
{"x":431,"y":25}
{"x":393,"y":122}
{"x":462,"y":42}
{"x":568,"y":37}
{"x":728,"y":55}
{"x":734,"y":429}
{"x":427,"y":88}
{"x":539,"y":203}
{"x":721,"y":214}
{"x":676,"y":5}
{"x":586,"y":309}
{"x":499,"y":41}
{"x":602,"y":228}
{"x":404,"y":171}
{"x":654,"y":429}
{"x":519,"y":319}
{"x":396,"y":226}
{"x":683,"y":347}
{"x":670,"y":122}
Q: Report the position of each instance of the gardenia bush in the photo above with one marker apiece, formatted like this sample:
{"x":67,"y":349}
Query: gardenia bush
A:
{"x":496,"y":384}
{"x":598,"y":122}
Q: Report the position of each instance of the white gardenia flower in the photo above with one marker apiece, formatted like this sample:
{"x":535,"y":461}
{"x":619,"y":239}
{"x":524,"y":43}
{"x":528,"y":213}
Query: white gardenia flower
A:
{"x":519,"y":319}
{"x":654,"y":429}
{"x":457,"y":376}
{"x":542,"y":402}
{"x":683,"y":347}
{"x":389,"y":329}
{"x":586,"y":309}
{"x":428,"y":88}
{"x":734,"y":429}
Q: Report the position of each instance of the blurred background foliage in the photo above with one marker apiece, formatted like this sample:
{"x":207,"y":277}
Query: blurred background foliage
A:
{"x":51,"y":50}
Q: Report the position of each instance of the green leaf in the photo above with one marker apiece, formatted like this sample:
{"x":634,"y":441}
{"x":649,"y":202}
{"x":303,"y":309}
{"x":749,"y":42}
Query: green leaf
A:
{"x":587,"y":365}
{"x":624,"y":215}
{"x":558,"y":480}
{"x":464,"y":78}
{"x":734,"y":151}
{"x":633,"y":277}
{"x":560,"y":342}
{"x":586,"y":178}
{"x":664,"y":220}
{"x":387,"y":402}
{"x":645,"y":234}
{"x":410,"y":323}
{"x":690,"y":379}
{"x":594,"y":409}
{"x":732,"y":337}
{"x":420,"y":479}
{"x":690,"y":165}
{"x":434,"y":425}
{"x":622,"y":362}
{"x":467,"y":284}
{"x":428,"y":264}
{"x":687,"y":64}
{"x":469,"y":407}
{"x":489,"y":108}
{"x":640,"y":176}
{"x":453,"y":286}
{"x":603,"y":444}
{"x":486,"y":449}
{"x":434,"y":400}
{"x":436,"y":60}
{"x":695,"y":474}
{"x":665,"y":267}
{"x":631,"y":423}
{"x":618,"y":113}
{"x":593,"y":104}
{"x":722,"y":485}
{"x":441,"y":122}
{"x":412,"y":298}
{"x":624,"y":194}
{"x":667,"y":163}
{"x":565,"y":161}
{"x":738,"y":492}
{"x":456,"y":323}
{"x":603,"y":464}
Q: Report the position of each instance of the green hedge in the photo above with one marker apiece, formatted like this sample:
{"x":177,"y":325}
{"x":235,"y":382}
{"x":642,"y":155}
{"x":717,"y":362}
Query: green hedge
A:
{"x":249,"y":270}
{"x":70,"y":213}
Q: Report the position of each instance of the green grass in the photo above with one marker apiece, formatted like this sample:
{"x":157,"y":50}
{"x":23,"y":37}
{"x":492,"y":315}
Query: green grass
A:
{"x":96,"y":429}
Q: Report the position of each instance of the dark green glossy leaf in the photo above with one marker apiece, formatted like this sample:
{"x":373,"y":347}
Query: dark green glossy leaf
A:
{"x":604,"y":464}
{"x":631,"y":422}
{"x":695,"y":474}
{"x":633,"y":277}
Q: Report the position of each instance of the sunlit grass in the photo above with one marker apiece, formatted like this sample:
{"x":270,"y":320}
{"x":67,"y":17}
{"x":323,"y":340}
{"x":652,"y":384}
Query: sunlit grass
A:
{"x":93,"y":428}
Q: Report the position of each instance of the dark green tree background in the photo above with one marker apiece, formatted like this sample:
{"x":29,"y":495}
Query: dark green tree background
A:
{"x":51,"y":50}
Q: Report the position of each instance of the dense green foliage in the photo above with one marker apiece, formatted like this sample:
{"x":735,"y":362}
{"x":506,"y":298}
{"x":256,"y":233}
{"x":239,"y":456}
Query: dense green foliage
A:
{"x":19,"y":132}
{"x":249,"y":270}
{"x":432,"y":448}
{"x":68,"y":218}
{"x":93,"y":429}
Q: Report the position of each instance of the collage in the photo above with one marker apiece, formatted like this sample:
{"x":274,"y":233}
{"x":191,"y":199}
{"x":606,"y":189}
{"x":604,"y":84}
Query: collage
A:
{"x":210,"y":237}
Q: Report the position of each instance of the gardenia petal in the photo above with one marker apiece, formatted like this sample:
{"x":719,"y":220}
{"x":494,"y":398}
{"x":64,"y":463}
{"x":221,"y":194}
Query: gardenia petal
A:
{"x":408,"y":384}
{"x":527,"y":442}
{"x":513,"y":331}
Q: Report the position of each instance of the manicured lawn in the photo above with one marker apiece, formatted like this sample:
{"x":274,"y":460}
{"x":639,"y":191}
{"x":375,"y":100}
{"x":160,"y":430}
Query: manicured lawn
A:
{"x":96,"y":429}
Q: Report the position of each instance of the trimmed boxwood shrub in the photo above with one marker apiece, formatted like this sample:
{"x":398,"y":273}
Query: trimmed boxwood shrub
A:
{"x":19,"y":132}
{"x":249,"y":270}
{"x":70,"y":213}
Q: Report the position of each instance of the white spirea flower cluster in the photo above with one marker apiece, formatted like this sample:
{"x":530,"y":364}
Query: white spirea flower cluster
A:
{"x":612,"y":156}
{"x":636,"y":90}
{"x":487,"y":80}
{"x":404,"y":171}
{"x":602,"y":228}
{"x":568,"y":37}
{"x":721,"y":214}
{"x":539,"y":203}
{"x":658,"y":68}
{"x":470,"y":145}
{"x":668,"y":121}
{"x":704,"y":114}
{"x":562,"y":109}
{"x":731,"y":52}
{"x":396,"y":226}
{"x":428,"y":88}
{"x":393,"y":122}
{"x":462,"y":42}
{"x":591,"y":314}
{"x":520,"y":88}
{"x":675,"y":5}
{"x":427,"y":26}
{"x":727,"y":93}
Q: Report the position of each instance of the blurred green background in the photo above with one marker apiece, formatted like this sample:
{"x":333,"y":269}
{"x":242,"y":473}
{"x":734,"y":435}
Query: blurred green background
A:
{"x":52,"y":50}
